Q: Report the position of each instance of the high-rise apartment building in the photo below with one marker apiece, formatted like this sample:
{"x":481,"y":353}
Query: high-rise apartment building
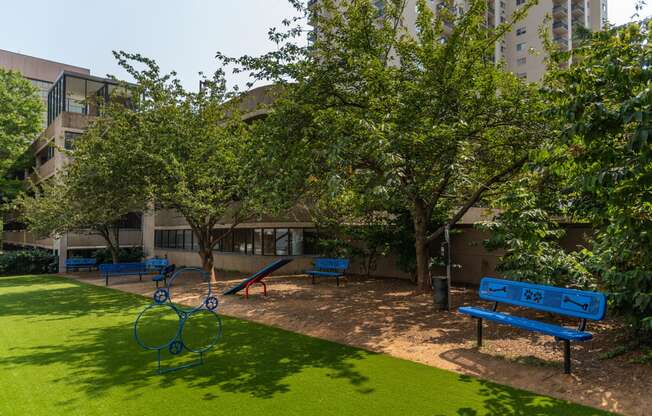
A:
{"x":522,"y":49}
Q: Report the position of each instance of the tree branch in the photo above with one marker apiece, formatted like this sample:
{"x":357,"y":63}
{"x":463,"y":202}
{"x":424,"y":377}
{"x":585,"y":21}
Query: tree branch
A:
{"x":477,"y":195}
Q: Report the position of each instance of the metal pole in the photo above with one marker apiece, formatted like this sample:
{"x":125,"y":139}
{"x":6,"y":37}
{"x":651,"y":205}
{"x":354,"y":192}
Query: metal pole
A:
{"x":447,"y":234}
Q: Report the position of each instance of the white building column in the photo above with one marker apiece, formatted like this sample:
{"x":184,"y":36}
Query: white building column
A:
{"x":61,"y":245}
{"x":149,"y":227}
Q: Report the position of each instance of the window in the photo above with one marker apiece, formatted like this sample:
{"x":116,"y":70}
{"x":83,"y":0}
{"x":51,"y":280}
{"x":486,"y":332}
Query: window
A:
{"x":242,"y":241}
{"x":522,"y":75}
{"x":269,"y":242}
{"x":519,"y":2}
{"x":246,"y":241}
{"x":296,"y":242}
{"x":521,"y":61}
{"x":521,"y":46}
{"x":187,"y":240}
{"x":521,"y":31}
{"x":69,"y":139}
{"x":258,"y":242}
{"x":310,"y":239}
{"x":282,"y":242}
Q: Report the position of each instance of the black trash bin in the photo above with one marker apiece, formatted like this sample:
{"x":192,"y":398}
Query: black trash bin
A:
{"x":439,"y":292}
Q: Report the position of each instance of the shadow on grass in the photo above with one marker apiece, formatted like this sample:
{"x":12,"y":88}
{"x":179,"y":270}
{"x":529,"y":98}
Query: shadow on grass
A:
{"x":502,"y":400}
{"x":250,"y":358}
{"x":94,"y":351}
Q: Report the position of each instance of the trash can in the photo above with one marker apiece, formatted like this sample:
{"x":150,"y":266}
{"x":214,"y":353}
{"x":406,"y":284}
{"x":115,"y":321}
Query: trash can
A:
{"x":439,"y":292}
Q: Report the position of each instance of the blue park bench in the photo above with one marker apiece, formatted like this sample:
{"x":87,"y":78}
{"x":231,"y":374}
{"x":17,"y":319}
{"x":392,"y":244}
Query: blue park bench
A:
{"x":164,"y":274}
{"x":568,"y":302}
{"x":80,"y":263}
{"x":156,"y":265}
{"x":149,"y":266}
{"x":329,"y":268}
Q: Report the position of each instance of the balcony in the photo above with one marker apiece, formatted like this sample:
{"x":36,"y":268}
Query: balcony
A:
{"x":44,"y":171}
{"x":560,"y":27}
{"x":25,"y":238}
{"x":82,"y":94}
{"x":560,"y":11}
{"x":561,"y":41}
{"x":578,"y":9}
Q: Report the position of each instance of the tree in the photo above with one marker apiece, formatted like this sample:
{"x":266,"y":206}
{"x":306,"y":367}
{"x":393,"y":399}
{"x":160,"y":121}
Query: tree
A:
{"x":198,"y":153}
{"x":426,"y":122}
{"x":20,"y":121}
{"x":606,"y":103}
{"x":101,"y":185}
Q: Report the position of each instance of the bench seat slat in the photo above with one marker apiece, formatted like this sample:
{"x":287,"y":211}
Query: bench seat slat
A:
{"x":527,"y":324}
{"x":322,"y":273}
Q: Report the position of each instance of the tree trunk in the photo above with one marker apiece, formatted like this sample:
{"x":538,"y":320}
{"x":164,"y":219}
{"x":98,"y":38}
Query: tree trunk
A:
{"x":208,"y":262}
{"x":115,"y":254}
{"x":115,"y":251}
{"x":421,"y":245}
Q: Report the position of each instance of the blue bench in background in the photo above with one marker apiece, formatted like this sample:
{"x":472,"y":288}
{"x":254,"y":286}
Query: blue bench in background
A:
{"x":164,"y":274}
{"x":80,"y":263}
{"x":156,"y":265}
{"x":580,"y":304}
{"x":149,"y":266}
{"x":122,"y":269}
{"x":329,"y":268}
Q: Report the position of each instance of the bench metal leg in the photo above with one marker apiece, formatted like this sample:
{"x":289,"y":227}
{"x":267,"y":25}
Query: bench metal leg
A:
{"x":107,"y":280}
{"x":479,"y":332}
{"x":313,"y":279}
{"x":567,"y":357}
{"x":337,"y":280}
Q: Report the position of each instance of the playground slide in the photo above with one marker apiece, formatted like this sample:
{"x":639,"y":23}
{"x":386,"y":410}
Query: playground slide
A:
{"x":259,"y":275}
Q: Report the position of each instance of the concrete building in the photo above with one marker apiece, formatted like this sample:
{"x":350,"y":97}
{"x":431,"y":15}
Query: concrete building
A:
{"x":68,"y":93}
{"x":165,"y":233}
{"x":522,"y":49}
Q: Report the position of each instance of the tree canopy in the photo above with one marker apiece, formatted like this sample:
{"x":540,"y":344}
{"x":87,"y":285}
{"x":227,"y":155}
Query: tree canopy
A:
{"x":20,"y":121}
{"x":419,"y":123}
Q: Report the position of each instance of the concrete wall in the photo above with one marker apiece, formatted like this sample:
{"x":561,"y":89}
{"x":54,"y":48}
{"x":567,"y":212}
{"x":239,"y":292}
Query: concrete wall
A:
{"x":36,"y":68}
{"x":467,"y":251}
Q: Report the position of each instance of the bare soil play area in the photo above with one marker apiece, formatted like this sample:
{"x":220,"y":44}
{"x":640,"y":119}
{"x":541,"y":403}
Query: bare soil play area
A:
{"x":386,"y":316}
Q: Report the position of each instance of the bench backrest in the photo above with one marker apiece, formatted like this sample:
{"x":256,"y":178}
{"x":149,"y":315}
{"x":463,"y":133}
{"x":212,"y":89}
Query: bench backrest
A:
{"x":122,"y":267}
{"x":156,"y":263}
{"x":570,"y":302}
{"x":332,"y":264}
{"x":80,"y":262}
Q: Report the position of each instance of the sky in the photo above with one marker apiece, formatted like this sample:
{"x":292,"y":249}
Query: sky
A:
{"x":181,"y":35}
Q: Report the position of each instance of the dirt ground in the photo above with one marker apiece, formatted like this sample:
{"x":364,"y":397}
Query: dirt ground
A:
{"x":384,"y":315}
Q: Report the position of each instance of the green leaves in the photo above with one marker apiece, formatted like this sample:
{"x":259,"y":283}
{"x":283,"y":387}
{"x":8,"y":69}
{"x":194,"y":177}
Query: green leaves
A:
{"x":20,"y":121}
{"x":607,"y":106}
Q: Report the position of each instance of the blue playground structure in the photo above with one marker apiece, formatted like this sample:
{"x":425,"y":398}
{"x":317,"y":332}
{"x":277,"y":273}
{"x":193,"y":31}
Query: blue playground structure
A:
{"x":258,"y":277}
{"x":176,"y":345}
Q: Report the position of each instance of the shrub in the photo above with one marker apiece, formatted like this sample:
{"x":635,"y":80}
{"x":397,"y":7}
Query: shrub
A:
{"x":27,"y":262}
{"x":127,"y":255}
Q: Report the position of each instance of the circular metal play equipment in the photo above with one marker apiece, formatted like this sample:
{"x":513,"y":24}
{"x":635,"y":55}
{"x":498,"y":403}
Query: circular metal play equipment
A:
{"x":175,"y":345}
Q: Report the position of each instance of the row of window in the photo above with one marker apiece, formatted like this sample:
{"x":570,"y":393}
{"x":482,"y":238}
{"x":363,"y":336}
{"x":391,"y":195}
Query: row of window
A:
{"x":247,"y":241}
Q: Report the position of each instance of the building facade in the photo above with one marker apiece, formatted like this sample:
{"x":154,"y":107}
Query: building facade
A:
{"x":68,"y":93}
{"x":163,"y":233}
{"x":522,"y":50}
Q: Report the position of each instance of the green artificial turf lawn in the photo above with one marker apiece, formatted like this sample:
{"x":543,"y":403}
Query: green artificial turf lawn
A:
{"x":67,"y":348}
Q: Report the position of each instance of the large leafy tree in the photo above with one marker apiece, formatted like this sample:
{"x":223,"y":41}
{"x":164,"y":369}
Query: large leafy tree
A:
{"x":423,"y":123}
{"x":606,"y":102}
{"x":20,"y":121}
{"x":198,"y":152}
{"x":99,"y":187}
